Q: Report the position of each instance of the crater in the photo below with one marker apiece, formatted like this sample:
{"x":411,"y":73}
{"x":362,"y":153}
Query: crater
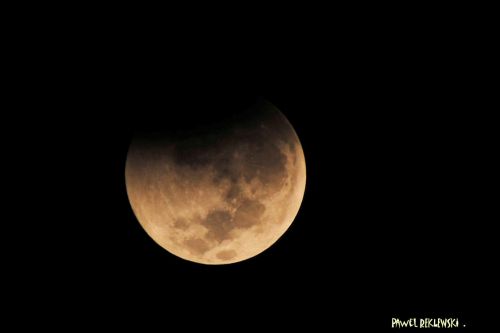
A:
{"x":234,"y":193}
{"x":219,"y":225}
{"x":266,"y":162}
{"x":249,"y":213}
{"x":226,"y":254}
{"x":181,"y":224}
{"x":196,"y":245}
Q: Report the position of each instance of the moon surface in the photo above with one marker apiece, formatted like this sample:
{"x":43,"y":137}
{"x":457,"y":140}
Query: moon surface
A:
{"x":221,"y":194}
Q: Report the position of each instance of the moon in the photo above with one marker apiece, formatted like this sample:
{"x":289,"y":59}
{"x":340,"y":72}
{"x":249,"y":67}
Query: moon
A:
{"x":219,"y":194}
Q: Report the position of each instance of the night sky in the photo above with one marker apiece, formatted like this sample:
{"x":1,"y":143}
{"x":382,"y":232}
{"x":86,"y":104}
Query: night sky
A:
{"x":395,"y":220}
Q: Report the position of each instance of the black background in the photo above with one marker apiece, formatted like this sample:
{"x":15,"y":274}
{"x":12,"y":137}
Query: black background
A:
{"x":397,"y":137}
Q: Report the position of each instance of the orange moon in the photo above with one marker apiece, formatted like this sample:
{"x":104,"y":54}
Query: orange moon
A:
{"x":222,"y":194}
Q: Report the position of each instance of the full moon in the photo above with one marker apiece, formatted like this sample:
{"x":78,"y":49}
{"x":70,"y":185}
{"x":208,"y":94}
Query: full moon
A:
{"x":219,"y":194}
